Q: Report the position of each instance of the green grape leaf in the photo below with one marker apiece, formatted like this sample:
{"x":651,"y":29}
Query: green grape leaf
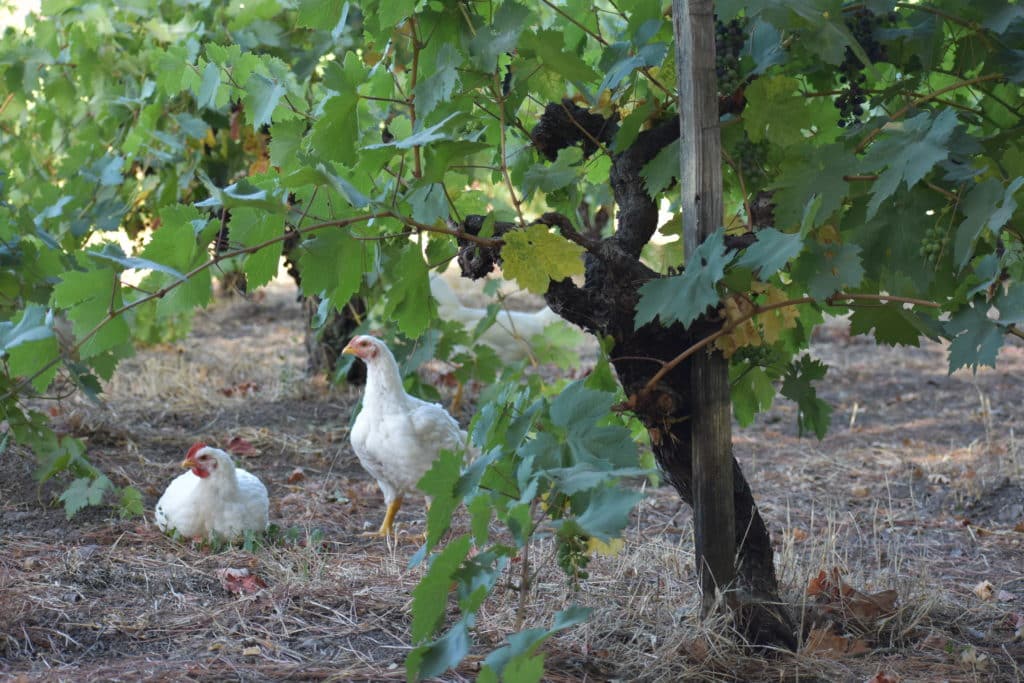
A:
{"x":130,"y":503}
{"x":175,"y":246}
{"x":438,"y":86}
{"x":420,"y":138}
{"x":493,"y":41}
{"x":648,"y":55}
{"x":752,"y":392}
{"x":976,"y":338}
{"x":828,"y":268}
{"x":332,"y":264}
{"x":439,"y":483}
{"x":806,"y":177}
{"x":89,"y":296}
{"x":549,"y":177}
{"x":813,"y":414}
{"x":323,"y":15}
{"x":429,"y":203}
{"x":243,"y":194}
{"x":261,"y":97}
{"x":408,"y":301}
{"x":433,"y":659}
{"x":548,"y":46}
{"x":607,"y":512}
{"x":686,"y":297}
{"x":891,"y":322}
{"x":286,"y":143}
{"x":207,"y":93}
{"x":525,"y":643}
{"x":332,"y":133}
{"x":32,"y":357}
{"x":535,"y":256}
{"x":908,"y":151}
{"x":35,"y":324}
{"x":82,"y":492}
{"x":250,"y":227}
{"x":989,"y":205}
{"x":112,"y":252}
{"x":428,"y":602}
{"x":771,"y":252}
{"x":661,"y":171}
{"x":776,"y":111}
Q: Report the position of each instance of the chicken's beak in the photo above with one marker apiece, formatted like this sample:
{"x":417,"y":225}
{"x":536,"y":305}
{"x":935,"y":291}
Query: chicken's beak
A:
{"x":188,"y":463}
{"x":350,"y":350}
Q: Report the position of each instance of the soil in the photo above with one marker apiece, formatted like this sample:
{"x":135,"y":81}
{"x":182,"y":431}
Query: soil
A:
{"x":917,"y":489}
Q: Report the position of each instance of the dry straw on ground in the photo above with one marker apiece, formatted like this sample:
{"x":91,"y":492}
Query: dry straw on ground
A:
{"x":918,"y":490}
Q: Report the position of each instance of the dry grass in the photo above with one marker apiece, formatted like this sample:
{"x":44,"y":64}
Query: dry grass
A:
{"x":917,"y":490}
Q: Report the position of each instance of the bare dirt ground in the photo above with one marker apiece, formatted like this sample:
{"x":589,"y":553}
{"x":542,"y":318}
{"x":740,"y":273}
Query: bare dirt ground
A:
{"x":918,"y":489}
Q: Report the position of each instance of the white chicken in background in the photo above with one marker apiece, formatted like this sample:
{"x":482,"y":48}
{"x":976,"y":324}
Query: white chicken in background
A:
{"x":396,"y":436}
{"x":214,"y":500}
{"x":511,"y":332}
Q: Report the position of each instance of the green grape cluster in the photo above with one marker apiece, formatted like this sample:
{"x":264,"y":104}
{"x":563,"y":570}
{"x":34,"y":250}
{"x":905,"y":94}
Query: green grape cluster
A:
{"x":573,"y":556}
{"x":934,"y":242}
{"x":750,"y":159}
{"x":729,"y":40}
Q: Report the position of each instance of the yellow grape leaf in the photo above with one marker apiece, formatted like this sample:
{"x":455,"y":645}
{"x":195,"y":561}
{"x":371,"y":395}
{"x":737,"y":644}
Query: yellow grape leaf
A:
{"x":734,"y":308}
{"x":610,"y":548}
{"x":535,"y":256}
{"x":775,"y":321}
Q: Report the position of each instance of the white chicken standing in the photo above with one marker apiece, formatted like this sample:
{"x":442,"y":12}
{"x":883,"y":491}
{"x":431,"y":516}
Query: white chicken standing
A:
{"x":511,"y":332}
{"x":396,"y":436}
{"x":215,"y":499}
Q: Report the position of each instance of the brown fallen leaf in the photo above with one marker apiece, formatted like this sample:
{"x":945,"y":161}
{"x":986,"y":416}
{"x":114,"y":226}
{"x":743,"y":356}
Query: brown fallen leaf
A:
{"x":834,"y":595}
{"x":798,"y":535}
{"x":242,"y":389}
{"x":240,"y":581}
{"x":823,"y":642}
{"x":884,"y":677}
{"x":240,"y":446}
{"x":296,"y":475}
{"x":984,"y":590}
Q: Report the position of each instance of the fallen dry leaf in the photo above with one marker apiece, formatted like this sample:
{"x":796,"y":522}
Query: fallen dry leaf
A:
{"x":822,"y":641}
{"x":251,"y":651}
{"x":973,"y":659}
{"x":1019,"y":527}
{"x":1005,"y":596}
{"x":798,"y":534}
{"x":296,"y":475}
{"x":860,"y":492}
{"x":240,"y":581}
{"x":984,"y":590}
{"x":241,"y":389}
{"x":240,"y":446}
{"x":834,"y":595}
{"x":884,"y":677}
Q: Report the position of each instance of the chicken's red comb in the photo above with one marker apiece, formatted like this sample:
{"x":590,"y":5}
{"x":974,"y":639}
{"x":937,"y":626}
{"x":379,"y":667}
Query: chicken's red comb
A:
{"x":196,"y":447}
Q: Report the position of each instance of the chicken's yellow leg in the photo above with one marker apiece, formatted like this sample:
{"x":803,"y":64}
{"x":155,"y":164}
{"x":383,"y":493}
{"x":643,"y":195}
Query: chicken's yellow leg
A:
{"x":387,"y":526}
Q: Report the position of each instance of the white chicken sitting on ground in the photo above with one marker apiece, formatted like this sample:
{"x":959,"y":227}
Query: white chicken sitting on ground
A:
{"x":396,"y":436}
{"x":511,"y":332}
{"x":214,"y":500}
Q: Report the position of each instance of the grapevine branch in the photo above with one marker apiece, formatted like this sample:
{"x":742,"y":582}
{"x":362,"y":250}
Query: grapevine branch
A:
{"x":166,"y":289}
{"x":925,"y":98}
{"x":730,"y":325}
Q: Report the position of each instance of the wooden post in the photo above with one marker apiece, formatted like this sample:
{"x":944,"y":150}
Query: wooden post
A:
{"x":700,"y":155}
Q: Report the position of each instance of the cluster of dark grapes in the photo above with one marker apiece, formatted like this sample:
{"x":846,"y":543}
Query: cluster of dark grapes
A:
{"x":750,"y":158}
{"x":851,"y":102}
{"x":933,"y":243}
{"x":729,"y":40}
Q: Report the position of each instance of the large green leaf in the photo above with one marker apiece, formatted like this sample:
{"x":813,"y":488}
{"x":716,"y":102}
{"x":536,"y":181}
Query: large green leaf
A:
{"x":683,"y":298}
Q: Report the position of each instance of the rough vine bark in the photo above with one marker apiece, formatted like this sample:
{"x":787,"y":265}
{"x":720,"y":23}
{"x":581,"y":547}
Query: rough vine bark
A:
{"x":605,"y":305}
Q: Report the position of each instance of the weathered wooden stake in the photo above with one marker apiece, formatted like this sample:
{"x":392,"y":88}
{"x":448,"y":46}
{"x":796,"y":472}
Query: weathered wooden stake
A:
{"x":701,"y":182}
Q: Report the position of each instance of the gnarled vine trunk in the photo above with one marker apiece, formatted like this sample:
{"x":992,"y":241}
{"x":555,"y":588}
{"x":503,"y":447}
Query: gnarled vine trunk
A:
{"x":605,"y":305}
